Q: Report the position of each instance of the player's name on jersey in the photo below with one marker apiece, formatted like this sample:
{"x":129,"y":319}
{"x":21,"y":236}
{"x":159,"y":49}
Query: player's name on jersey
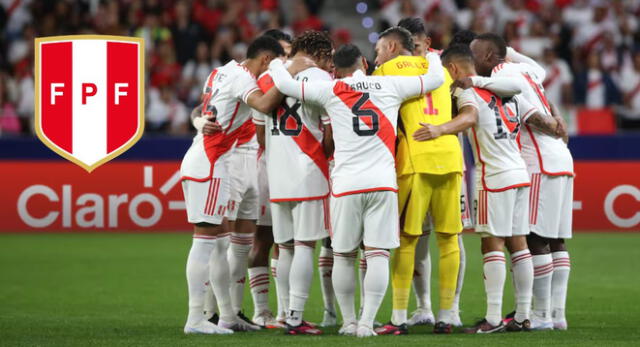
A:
{"x":366,"y":85}
{"x":413,"y":64}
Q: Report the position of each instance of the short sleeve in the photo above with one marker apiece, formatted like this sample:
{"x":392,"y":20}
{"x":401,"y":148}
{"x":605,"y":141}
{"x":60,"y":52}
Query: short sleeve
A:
{"x":324,"y":117}
{"x":244,"y":85}
{"x":258,"y":117}
{"x":525,"y":108}
{"x":465,"y":97}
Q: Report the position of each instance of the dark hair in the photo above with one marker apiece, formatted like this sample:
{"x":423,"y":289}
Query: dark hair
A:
{"x":402,"y":35}
{"x":317,"y":44}
{"x":346,"y":56}
{"x":414,"y":25}
{"x":264,"y":44}
{"x":278,"y":35}
{"x":498,"y":43}
{"x":463,"y":37}
{"x":456,"y":51}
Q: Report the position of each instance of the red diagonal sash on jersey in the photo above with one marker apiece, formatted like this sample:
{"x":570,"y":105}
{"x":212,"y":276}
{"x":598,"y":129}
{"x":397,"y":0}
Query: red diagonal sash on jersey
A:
{"x":312,"y":148}
{"x":350,"y":97}
{"x":555,"y":73}
{"x":206,"y":96}
{"x":486,"y":96}
{"x":305,"y":140}
{"x":539,"y":92}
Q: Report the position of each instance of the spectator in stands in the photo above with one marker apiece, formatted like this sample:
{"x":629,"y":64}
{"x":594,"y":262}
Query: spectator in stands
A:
{"x":195,"y":73}
{"x":185,"y":33}
{"x":559,"y":80}
{"x":304,"y":19}
{"x":630,"y":87}
{"x":164,"y":68}
{"x":165,"y":113}
{"x":9,"y":122}
{"x":594,"y":87}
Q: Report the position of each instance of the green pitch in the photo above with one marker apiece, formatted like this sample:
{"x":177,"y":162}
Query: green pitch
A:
{"x":130,"y":289}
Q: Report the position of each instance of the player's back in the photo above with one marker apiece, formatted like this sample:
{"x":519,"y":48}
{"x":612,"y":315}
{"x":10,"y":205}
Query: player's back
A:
{"x":439,"y":156}
{"x":541,"y":152}
{"x":493,"y":138}
{"x":363,"y":111}
{"x":224,"y":97}
{"x":294,"y":135}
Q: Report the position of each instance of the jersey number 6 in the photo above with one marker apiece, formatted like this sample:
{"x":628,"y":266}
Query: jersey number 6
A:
{"x":365,"y":114}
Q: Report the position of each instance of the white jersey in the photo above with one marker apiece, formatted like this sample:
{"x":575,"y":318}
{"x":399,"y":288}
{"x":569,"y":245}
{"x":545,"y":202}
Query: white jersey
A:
{"x":296,"y":163}
{"x":499,"y":165}
{"x":541,"y":152}
{"x":224,"y":97}
{"x":364,"y":114}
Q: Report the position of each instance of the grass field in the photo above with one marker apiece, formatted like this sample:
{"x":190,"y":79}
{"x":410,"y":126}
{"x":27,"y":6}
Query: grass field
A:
{"x":130,"y":289}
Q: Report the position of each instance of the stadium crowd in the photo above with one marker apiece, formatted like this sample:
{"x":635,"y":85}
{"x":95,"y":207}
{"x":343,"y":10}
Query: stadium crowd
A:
{"x":591,"y":49}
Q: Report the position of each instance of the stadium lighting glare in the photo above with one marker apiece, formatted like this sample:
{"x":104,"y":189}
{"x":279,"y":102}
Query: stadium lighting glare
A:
{"x":361,"y":7}
{"x":367,"y":22}
{"x":373,"y":37}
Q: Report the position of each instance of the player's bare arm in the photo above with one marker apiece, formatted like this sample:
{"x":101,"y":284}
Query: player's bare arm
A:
{"x":327,"y":141}
{"x":206,"y":125}
{"x":466,"y":118}
{"x":260,"y":135}
{"x":264,"y":102}
{"x":562,"y":125}
{"x":545,"y":124}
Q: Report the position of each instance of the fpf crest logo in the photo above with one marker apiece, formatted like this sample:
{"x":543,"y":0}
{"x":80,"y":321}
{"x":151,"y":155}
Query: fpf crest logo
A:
{"x":89,"y":97}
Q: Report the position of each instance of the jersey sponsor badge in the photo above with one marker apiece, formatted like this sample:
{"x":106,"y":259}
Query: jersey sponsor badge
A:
{"x":89,"y":96}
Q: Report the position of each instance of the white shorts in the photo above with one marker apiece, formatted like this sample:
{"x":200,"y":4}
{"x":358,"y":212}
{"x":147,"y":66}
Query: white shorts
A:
{"x":502,"y":214}
{"x":206,"y":202}
{"x":264,"y":204}
{"x":243,"y":181}
{"x":551,"y":206}
{"x":299,"y":220}
{"x":370,"y":217}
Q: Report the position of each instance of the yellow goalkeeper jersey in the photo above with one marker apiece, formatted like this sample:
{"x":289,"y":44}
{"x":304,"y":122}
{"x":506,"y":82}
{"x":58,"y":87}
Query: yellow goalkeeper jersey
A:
{"x":439,"y":156}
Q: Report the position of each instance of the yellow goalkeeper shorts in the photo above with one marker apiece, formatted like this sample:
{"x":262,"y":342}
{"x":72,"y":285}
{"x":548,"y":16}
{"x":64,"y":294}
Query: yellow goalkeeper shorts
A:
{"x":440,"y":194}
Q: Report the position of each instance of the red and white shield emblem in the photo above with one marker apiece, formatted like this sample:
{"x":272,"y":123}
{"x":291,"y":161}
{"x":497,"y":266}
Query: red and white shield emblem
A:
{"x":89,"y":96}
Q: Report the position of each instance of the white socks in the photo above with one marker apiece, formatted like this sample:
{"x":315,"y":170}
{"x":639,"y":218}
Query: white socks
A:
{"x":495,"y":274}
{"x":259,"y":285}
{"x":238,"y":257}
{"x":422,"y":274}
{"x":344,"y":284}
{"x":362,"y":271}
{"x":522,"y":268}
{"x":559,"y":283}
{"x":542,"y":272}
{"x":281,"y":314}
{"x":376,"y":282}
{"x":325,"y":267}
{"x":198,"y":275}
{"x":300,"y":279}
{"x":210,"y":302}
{"x":219,"y":273}
{"x":283,"y":270}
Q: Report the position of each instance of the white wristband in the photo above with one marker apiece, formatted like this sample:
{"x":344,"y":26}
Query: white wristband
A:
{"x":199,"y":123}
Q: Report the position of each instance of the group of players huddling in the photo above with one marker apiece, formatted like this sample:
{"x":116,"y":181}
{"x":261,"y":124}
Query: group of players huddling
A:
{"x":312,"y":149}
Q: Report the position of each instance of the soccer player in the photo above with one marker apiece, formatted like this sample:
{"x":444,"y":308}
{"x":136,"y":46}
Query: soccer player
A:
{"x":364,"y":209}
{"x":422,"y":264}
{"x":298,"y":170}
{"x":502,"y":188}
{"x":228,"y":93}
{"x":429,"y":179}
{"x":263,"y":239}
{"x":550,"y":167}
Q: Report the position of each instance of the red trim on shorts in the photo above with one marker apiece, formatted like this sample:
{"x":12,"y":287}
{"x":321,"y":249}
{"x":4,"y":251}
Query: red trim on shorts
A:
{"x":351,"y":192}
{"x":534,"y":198}
{"x":301,"y":199}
